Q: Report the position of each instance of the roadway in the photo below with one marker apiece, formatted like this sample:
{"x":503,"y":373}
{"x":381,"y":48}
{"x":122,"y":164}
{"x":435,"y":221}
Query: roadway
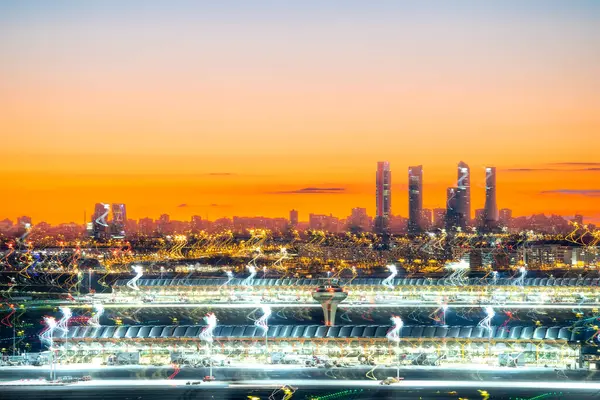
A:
{"x":264,"y":373}
{"x":352,"y":389}
{"x":408,"y":304}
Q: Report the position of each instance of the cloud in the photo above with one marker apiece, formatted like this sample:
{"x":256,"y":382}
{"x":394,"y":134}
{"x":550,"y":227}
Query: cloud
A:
{"x":220,"y":174}
{"x":530,"y":169}
{"x":555,"y":169}
{"x":212,"y":205}
{"x":312,"y":190}
{"x":579,"y":192}
{"x":580,"y":164}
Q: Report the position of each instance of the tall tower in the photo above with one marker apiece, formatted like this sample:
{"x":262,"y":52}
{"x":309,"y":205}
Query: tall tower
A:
{"x":415,"y":198}
{"x":383,"y":195}
{"x":293,"y":218}
{"x":463,"y":195}
{"x":119,"y":218}
{"x":100,"y":226}
{"x":329,"y":296}
{"x":491,"y":208}
{"x":451,"y":209}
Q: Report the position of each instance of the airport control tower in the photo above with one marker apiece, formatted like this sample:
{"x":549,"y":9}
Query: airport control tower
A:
{"x":329,"y":296}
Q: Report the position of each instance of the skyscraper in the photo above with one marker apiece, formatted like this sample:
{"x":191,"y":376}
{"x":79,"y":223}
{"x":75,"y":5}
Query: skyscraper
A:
{"x":491,"y":208}
{"x":99,"y":225}
{"x":383,"y":194}
{"x":293,"y":218}
{"x":415,"y":199}
{"x":463,"y":195}
{"x":119,"y":217}
{"x":451,"y":213}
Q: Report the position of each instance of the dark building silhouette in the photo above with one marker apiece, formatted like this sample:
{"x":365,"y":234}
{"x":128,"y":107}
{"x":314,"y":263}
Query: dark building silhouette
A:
{"x":294,"y":218}
{"x":119,"y":218}
{"x":383,"y":195}
{"x":463,"y":195}
{"x":451,"y":209}
{"x":491,"y":208}
{"x":415,"y":199}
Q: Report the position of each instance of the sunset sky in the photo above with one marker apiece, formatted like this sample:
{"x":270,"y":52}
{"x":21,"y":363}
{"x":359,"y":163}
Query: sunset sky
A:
{"x":223,"y":108}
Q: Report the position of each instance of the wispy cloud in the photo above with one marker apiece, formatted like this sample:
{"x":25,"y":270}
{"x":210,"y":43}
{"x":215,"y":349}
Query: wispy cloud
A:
{"x":530,"y":169}
{"x":577,"y":164}
{"x":212,"y":205}
{"x":312,"y":190}
{"x":579,"y":192}
{"x":221,"y":174}
{"x":215,"y":205}
{"x":592,"y":168}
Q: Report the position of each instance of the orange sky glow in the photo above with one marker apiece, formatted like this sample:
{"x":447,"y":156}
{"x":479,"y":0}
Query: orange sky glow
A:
{"x":204,"y":112}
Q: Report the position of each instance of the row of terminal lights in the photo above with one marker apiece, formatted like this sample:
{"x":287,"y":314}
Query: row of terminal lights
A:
{"x":363,"y":281}
{"x":334,"y":332}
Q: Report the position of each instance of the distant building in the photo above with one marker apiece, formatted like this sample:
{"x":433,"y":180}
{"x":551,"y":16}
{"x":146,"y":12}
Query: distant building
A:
{"x":196,"y":223}
{"x":243,"y":224}
{"x":131,"y":227}
{"x":505,"y":216}
{"x":415,"y":199}
{"x":24,"y":221}
{"x":398,"y":224}
{"x":163,"y":224}
{"x":119,"y":217}
{"x":6,"y":225}
{"x":293,"y":218}
{"x":439,"y":217}
{"x":479,"y":216}
{"x":452,"y":219}
{"x":383,"y":196}
{"x":146,"y":226}
{"x":463,"y":195}
{"x":99,"y":227}
{"x":359,"y":220}
{"x":426,"y":219}
{"x":324,"y":223}
{"x":222,"y":224}
{"x":491,"y":208}
{"x":578,"y":219}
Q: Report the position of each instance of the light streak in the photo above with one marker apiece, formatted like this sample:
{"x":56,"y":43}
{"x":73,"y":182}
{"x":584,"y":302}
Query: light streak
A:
{"x":132,"y":284}
{"x":262,"y":322}
{"x":494,"y":277}
{"x":211,"y":324}
{"x":46,"y":337}
{"x":282,"y":256}
{"x":486,"y":322}
{"x":394,"y":333}
{"x":27,"y":232}
{"x":229,"y":277}
{"x":95,"y":320}
{"x":390,"y":279}
{"x":458,"y":272}
{"x":252,"y":269}
{"x":101,"y":220}
{"x":520,"y":281}
{"x":62,"y":324}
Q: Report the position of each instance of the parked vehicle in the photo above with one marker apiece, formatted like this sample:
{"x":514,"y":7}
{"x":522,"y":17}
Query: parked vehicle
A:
{"x":391,"y":380}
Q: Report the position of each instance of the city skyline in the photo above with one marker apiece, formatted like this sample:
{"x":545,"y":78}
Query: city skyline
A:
{"x":291,"y":105}
{"x":456,"y":209}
